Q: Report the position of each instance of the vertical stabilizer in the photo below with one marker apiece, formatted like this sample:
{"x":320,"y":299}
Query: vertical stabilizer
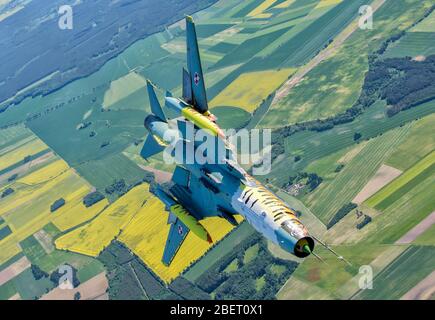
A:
{"x":199,"y":98}
{"x":156,"y":108}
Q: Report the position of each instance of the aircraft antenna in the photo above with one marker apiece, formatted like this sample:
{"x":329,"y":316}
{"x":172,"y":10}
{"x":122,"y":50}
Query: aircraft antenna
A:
{"x":318,"y":257}
{"x":331,"y":250}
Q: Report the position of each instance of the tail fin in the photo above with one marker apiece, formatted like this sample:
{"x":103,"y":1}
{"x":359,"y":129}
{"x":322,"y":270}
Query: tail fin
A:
{"x":156,"y":108}
{"x":197,"y":85}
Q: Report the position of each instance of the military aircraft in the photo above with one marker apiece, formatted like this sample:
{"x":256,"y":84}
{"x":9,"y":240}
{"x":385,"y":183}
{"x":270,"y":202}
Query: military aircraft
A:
{"x":215,"y":188}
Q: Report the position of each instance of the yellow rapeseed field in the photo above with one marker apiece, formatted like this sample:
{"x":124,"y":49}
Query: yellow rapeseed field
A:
{"x":327,"y":3}
{"x":284,"y":4}
{"x":262,"y":7}
{"x":46,"y":173}
{"x":250,"y":89}
{"x":147,"y":233}
{"x":93,"y":237}
{"x":27,"y":210}
{"x":74,"y":212}
{"x":18,"y":154}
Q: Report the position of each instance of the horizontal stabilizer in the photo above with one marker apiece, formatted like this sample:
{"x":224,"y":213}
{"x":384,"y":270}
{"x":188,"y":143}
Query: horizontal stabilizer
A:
{"x":176,"y":236}
{"x":151,"y":147}
{"x":156,"y":108}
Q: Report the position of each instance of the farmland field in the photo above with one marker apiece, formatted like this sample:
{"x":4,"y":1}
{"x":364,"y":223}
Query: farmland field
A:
{"x":330,"y":197}
{"x":103,"y":172}
{"x":311,"y":146}
{"x":27,"y":210}
{"x":247,"y":92}
{"x":401,"y":275}
{"x":231,"y":117}
{"x":400,"y":186}
{"x":413,"y":44}
{"x":221,"y":249}
{"x":88,"y":267}
{"x":340,"y":77}
{"x":326,"y":280}
{"x":393,"y":222}
{"x":151,"y":221}
{"x":16,"y":153}
{"x":248,"y":49}
{"x":122,"y":88}
{"x":427,"y":238}
{"x":12,"y":135}
{"x":419,"y":142}
{"x":427,"y":25}
{"x":87,"y":136}
{"x":90,"y":239}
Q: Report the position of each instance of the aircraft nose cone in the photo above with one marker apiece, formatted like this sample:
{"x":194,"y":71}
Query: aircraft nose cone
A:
{"x":306,"y":249}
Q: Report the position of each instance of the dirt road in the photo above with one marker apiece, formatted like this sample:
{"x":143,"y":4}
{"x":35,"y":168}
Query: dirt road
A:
{"x":422,"y":291}
{"x":13,"y":270}
{"x":412,"y":234}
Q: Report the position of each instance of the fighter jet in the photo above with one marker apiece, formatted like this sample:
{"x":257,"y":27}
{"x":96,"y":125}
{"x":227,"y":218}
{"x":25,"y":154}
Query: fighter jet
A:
{"x":220,"y":187}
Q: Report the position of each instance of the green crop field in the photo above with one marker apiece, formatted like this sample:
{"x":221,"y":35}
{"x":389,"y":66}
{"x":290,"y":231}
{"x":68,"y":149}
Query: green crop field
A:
{"x":248,"y":49}
{"x":413,"y":44}
{"x":427,"y":25}
{"x":422,"y":170}
{"x":12,"y":135}
{"x":298,"y":39}
{"x":404,"y":189}
{"x":330,"y":197}
{"x":427,"y":238}
{"x":250,"y":254}
{"x":312,"y":146}
{"x":102,"y":173}
{"x":418,"y":143}
{"x":220,"y":250}
{"x":12,"y":260}
{"x":306,"y":43}
{"x":87,"y":267}
{"x":223,"y":47}
{"x":401,"y":275}
{"x":393,"y":222}
{"x":419,"y":41}
{"x":208,"y":30}
{"x":231,"y":117}
{"x":340,"y":77}
{"x":247,"y":7}
{"x":328,"y":278}
{"x":26,"y":285}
